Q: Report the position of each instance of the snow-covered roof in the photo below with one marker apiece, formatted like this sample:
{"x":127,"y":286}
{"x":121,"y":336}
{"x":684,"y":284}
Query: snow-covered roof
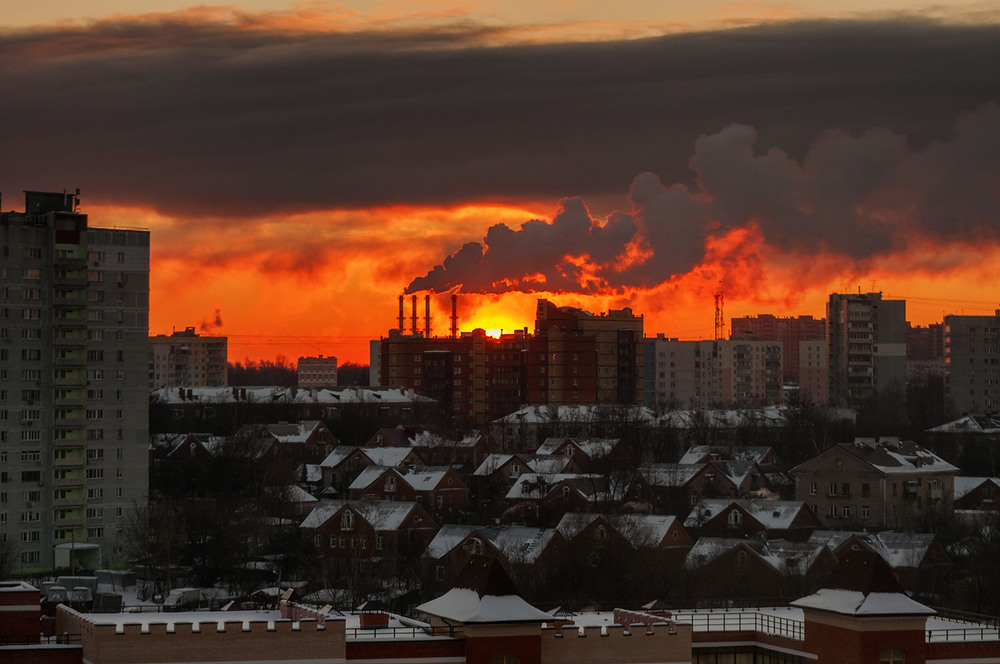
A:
{"x":856,"y":603}
{"x":534,"y":486}
{"x":899,"y":550}
{"x":425,"y":479}
{"x":595,"y":448}
{"x":466,"y":606}
{"x":382,"y":515}
{"x":367,"y":477}
{"x":491,"y":463}
{"x":724,"y":419}
{"x":670,"y":474}
{"x":547,"y":414}
{"x":963,"y":485}
{"x":790,"y":558}
{"x":337,"y":456}
{"x":386,"y":456}
{"x":640,"y":530}
{"x":293,"y":433}
{"x":273,"y":394}
{"x":703,"y":453}
{"x":977,"y":424}
{"x":447,"y":538}
{"x":892,"y":456}
{"x":772,"y":514}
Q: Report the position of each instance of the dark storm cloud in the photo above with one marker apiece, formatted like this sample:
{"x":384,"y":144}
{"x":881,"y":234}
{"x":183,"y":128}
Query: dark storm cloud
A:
{"x":202,"y":118}
{"x":854,"y":197}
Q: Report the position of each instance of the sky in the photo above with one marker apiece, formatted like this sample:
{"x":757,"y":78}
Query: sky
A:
{"x":301,"y":165}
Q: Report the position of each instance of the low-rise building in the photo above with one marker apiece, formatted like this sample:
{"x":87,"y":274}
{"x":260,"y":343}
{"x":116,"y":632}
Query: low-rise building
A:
{"x":876,"y":483}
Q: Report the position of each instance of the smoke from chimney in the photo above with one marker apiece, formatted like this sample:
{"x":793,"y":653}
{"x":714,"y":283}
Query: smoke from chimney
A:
{"x":855,"y":197}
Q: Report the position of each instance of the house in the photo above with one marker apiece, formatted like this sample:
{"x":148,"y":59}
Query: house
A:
{"x":589,"y":454}
{"x":308,"y":441}
{"x":876,"y":483}
{"x":977,"y":493}
{"x":917,"y":560}
{"x":544,"y":499}
{"x":343,"y":465}
{"x":353,"y":530}
{"x":676,"y":487}
{"x":527,"y":552}
{"x":439,"y":489}
{"x":748,"y":518}
{"x":765,"y":570}
{"x":494,"y":477}
{"x":462,"y":449}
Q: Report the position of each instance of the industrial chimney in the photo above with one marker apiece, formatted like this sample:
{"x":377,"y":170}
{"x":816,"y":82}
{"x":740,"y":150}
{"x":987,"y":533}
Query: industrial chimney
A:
{"x":427,"y":315}
{"x":401,"y":314}
{"x":413,"y":313}
{"x":454,"y":315}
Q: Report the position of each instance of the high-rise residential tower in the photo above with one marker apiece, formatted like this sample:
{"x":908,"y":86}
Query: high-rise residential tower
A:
{"x":972,"y":363}
{"x":866,"y":342}
{"x":74,"y":312}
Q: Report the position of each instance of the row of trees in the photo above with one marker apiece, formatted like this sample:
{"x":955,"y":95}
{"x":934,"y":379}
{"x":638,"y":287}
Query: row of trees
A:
{"x":281,"y":372}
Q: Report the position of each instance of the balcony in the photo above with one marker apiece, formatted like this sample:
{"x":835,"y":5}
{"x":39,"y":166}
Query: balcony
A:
{"x":70,"y":462}
{"x":68,"y":502}
{"x":67,"y":482}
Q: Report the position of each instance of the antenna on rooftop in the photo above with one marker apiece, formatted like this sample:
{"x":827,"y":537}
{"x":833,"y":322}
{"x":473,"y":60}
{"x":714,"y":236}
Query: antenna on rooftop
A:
{"x":720,"y":322}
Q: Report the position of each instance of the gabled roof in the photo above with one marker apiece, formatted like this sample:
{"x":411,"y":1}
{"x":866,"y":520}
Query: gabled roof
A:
{"x":975,"y":424}
{"x":704,"y":453}
{"x":382,"y":515}
{"x":863,"y":585}
{"x":594,"y":448}
{"x":538,"y":463}
{"x":517,"y":544}
{"x":889,"y":456}
{"x":965,"y":485}
{"x":898,"y":550}
{"x":533,"y":486}
{"x":338,"y":455}
{"x":670,"y":475}
{"x":771,"y":514}
{"x":369,"y":476}
{"x":483,"y":593}
{"x":640,"y":530}
{"x":293,"y":433}
{"x":791,"y":558}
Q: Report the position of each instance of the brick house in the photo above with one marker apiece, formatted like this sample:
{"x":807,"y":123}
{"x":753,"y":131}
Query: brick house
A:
{"x":361,"y":529}
{"x":439,"y":489}
{"x":343,"y":465}
{"x":790,"y":519}
{"x":465,"y":449}
{"x":977,"y":493}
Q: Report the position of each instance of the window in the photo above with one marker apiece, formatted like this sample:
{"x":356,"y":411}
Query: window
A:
{"x":865,"y":512}
{"x":347,"y":521}
{"x":892,"y":657}
{"x":866,"y":490}
{"x":812,"y":489}
{"x":845,"y":511}
{"x":735,"y":519}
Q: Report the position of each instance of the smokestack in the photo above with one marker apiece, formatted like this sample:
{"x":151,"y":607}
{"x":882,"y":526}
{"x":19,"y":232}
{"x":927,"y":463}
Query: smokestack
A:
{"x":413,"y":313}
{"x":454,"y":315}
{"x":427,"y":315}
{"x":400,"y":314}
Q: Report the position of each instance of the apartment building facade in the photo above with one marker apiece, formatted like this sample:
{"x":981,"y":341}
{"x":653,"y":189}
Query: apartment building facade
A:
{"x":73,"y":377}
{"x":317,"y":372}
{"x":866,"y":346}
{"x":712,"y":373}
{"x":972,"y":363}
{"x":187,"y":359}
{"x":790,"y":331}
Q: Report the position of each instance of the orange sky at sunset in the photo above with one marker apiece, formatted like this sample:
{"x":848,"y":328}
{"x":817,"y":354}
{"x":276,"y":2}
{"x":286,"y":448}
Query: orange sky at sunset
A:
{"x":301,"y":164}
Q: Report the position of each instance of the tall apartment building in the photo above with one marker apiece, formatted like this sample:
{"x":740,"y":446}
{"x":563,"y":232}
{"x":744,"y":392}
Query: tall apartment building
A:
{"x":814,"y":373}
{"x":317,"y":372}
{"x":790,"y":331}
{"x":866,"y":346}
{"x":74,"y":310}
{"x":187,"y":359}
{"x":972,"y":363}
{"x":713,"y":374}
{"x":619,"y":346}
